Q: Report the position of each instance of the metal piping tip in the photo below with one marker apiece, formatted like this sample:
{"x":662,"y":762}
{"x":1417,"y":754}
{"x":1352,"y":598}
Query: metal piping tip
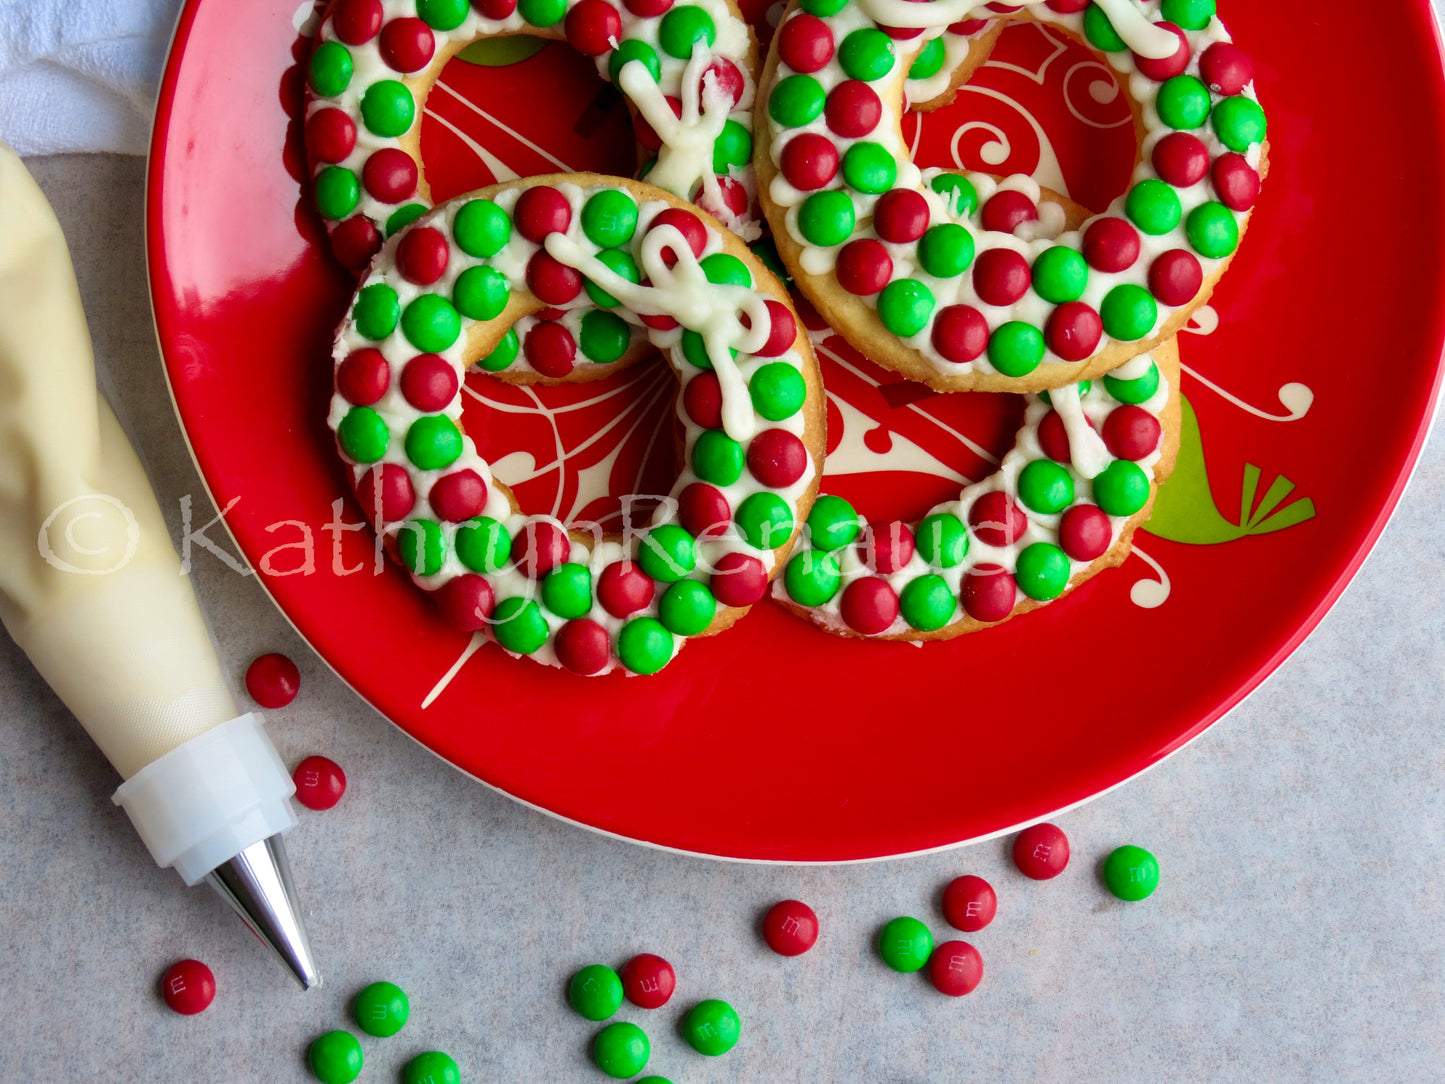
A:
{"x":257,"y":884}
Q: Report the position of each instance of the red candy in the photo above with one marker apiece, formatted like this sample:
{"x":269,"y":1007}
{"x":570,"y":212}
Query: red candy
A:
{"x":1111,"y":244}
{"x":428,"y":382}
{"x":647,"y":8}
{"x":955,"y":968}
{"x":550,"y":349}
{"x":996,"y":520}
{"x":389,"y":175}
{"x":407,"y":45}
{"x":1084,"y":532}
{"x":988,"y":593}
{"x":188,"y":986}
{"x":583,"y":646}
{"x":646,"y":134}
{"x":734,"y":198}
{"x":421,"y":257}
{"x":960,"y":333}
{"x":864,"y":267}
{"x":495,"y":9}
{"x":1170,"y":66}
{"x":901,"y":215}
{"x":809,"y":161}
{"x":702,"y":399}
{"x":1067,"y":7}
{"x":782,"y":333}
{"x":969,"y":903}
{"x":887,"y":547}
{"x":458,"y":496}
{"x":1001,"y":276}
{"x":776,"y":458}
{"x":853,"y":109}
{"x":1073,"y":331}
{"x":648,"y":981}
{"x":541,"y":210}
{"x":396,"y":497}
{"x":869,"y":605}
{"x":272,"y":680}
{"x":1041,"y":852}
{"x":690,"y":227}
{"x":1226,"y":68}
{"x":551,"y":281}
{"x":739,"y":580}
{"x":728,"y":78}
{"x":623,"y":589}
{"x":790,"y":928}
{"x":320,"y":782}
{"x":703,"y":508}
{"x":363,"y":376}
{"x":1054,"y":438}
{"x":539,"y":547}
{"x":805,"y":43}
{"x":1181,"y":159}
{"x":466,"y":601}
{"x":355,"y":241}
{"x":1236,"y":181}
{"x":1007,"y":210}
{"x":593,"y":27}
{"x":1131,"y":432}
{"x":357,"y":21}
{"x":1175,"y":277}
{"x":330,"y":135}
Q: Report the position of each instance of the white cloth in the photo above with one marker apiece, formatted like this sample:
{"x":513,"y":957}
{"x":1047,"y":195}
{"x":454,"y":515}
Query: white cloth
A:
{"x":81,"y":75}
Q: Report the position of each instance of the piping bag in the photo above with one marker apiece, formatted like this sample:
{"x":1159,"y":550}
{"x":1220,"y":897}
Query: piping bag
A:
{"x":92,"y":590}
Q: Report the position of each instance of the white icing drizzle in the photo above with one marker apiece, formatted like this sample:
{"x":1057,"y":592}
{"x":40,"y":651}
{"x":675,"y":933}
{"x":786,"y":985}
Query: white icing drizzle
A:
{"x":1134,"y":368}
{"x":1142,"y":36}
{"x":1087,"y":450}
{"x":685,"y":158}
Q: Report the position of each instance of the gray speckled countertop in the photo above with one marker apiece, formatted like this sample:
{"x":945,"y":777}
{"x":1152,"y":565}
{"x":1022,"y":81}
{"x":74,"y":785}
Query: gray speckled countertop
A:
{"x":1298,"y":935}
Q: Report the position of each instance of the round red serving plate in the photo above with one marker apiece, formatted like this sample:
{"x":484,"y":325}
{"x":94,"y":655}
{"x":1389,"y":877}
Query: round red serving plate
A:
{"x":774,"y":741}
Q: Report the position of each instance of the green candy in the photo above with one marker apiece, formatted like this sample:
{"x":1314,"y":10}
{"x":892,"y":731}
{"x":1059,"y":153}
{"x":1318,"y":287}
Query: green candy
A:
{"x":430,"y":323}
{"x":904,"y":306}
{"x":481,"y":228}
{"x":929,"y":60}
{"x":431,"y":1067}
{"x":765,"y":520}
{"x":1083,"y":386}
{"x":381,"y":1009}
{"x":633,"y":49}
{"x":1100,"y":31}
{"x":1183,"y":102}
{"x":1122,"y":488}
{"x":946,"y":250}
{"x":926,"y":603}
{"x":866,"y":54}
{"x":687,"y":607}
{"x":609,"y":218}
{"x":733,"y":147}
{"x":404,"y":216}
{"x":483,"y":544}
{"x":653,"y":1080}
{"x":481,"y":293}
{"x":542,"y":12}
{"x":941,"y":540}
{"x":595,"y":991}
{"x":442,"y":14}
{"x":777,"y":390}
{"x":827,"y":218}
{"x":667,"y":553}
{"x":1153,"y":206}
{"x":433,"y":442}
{"x":376,"y":311}
{"x":331,"y":68}
{"x":1139,"y":390}
{"x":1043,"y":571}
{"x":796,"y":101}
{"x":1239,"y":122}
{"x":518,"y":625}
{"x":717,"y":458}
{"x":832,"y":524}
{"x":1016,"y":348}
{"x":823,"y":8}
{"x":684,"y":28}
{"x":503,"y":354}
{"x":1046,"y":487}
{"x":621,"y":1050}
{"x":605,"y":337}
{"x":621,"y":264}
{"x":335,"y":1057}
{"x":644,"y":645}
{"x":1213,"y":230}
{"x":1129,"y":312}
{"x":959,"y":191}
{"x":869,"y":167}
{"x":567,"y":590}
{"x":712,"y":1027}
{"x":812,"y":578}
{"x":421,"y":546}
{"x":387,"y":108}
{"x":363,"y":435}
{"x":1131,"y":873}
{"x":337,"y":192}
{"x":694,"y":349}
{"x":905,"y":944}
{"x":1060,"y":274}
{"x":725,"y":269}
{"x":1188,"y":14}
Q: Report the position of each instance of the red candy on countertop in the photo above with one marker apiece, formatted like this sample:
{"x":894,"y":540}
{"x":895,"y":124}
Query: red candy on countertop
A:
{"x":969,"y":903}
{"x":955,"y":968}
{"x":1041,"y":852}
{"x":790,"y":928}
{"x":188,"y":987}
{"x":320,"y":782}
{"x":272,"y":680}
{"x":648,"y":981}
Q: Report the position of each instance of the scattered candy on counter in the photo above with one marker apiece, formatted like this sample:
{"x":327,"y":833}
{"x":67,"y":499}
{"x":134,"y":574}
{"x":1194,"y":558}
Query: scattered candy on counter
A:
{"x":595,"y":992}
{"x":1041,"y":852}
{"x":621,"y":1050}
{"x":188,"y":987}
{"x":712,"y":1027}
{"x":320,"y":782}
{"x":654,"y":1080}
{"x":648,"y":981}
{"x":432,"y":1067}
{"x":955,"y":968}
{"x":335,"y":1057}
{"x":969,"y":903}
{"x":382,"y":1009}
{"x":1131,"y":873}
{"x":905,"y":944}
{"x":273,"y":680}
{"x":790,"y":928}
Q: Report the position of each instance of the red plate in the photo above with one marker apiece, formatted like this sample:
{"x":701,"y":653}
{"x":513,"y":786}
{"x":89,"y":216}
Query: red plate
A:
{"x":774,"y":741}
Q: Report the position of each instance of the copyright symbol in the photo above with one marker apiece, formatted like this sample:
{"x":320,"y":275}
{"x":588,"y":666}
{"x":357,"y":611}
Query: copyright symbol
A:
{"x":96,"y":533}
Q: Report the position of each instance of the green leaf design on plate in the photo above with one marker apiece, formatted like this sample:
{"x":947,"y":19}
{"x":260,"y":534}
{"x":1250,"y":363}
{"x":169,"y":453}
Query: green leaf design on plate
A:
{"x":499,"y":52}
